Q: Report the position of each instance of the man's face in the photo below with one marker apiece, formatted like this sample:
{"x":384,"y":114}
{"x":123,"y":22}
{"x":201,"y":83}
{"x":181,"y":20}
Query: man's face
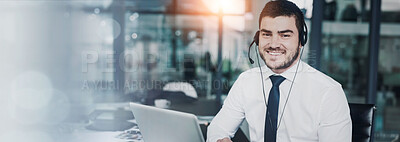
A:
{"x":279,"y":42}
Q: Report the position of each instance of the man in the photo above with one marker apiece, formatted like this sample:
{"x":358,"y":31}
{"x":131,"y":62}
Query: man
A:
{"x":299,"y":103}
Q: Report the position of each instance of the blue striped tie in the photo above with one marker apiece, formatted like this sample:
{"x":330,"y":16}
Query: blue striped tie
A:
{"x":271,"y":117}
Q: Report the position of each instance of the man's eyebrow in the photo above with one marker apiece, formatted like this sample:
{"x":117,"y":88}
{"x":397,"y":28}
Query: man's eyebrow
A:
{"x":266,"y":31}
{"x":280,"y":32}
{"x":285,"y":31}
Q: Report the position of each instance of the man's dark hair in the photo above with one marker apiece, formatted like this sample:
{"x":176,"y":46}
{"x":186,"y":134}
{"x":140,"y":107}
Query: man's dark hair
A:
{"x":283,"y":8}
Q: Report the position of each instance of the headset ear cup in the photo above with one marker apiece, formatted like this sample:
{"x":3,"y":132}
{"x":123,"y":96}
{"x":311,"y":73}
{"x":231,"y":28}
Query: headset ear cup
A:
{"x":256,"y":37}
{"x":304,"y":34}
{"x":302,"y":38}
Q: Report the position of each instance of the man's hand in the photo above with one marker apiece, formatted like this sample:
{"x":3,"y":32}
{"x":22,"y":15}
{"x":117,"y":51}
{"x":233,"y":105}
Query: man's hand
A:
{"x":224,"y":140}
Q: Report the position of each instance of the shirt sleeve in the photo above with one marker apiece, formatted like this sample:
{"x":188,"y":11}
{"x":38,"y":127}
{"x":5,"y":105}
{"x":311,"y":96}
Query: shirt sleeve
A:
{"x":231,"y":115}
{"x":335,"y":122}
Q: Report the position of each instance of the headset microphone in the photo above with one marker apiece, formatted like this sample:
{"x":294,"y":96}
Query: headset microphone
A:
{"x":255,"y":40}
{"x":248,"y":53}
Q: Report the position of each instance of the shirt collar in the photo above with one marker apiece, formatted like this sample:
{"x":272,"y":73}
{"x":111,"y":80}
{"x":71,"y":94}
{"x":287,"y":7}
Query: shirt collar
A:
{"x":288,"y":74}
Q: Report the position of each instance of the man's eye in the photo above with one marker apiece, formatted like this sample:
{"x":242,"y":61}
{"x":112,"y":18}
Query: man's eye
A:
{"x":267,"y":34}
{"x":286,"y":35}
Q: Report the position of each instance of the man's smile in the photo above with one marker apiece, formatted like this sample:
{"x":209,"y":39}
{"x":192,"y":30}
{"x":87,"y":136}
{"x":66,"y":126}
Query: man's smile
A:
{"x":275,"y":52}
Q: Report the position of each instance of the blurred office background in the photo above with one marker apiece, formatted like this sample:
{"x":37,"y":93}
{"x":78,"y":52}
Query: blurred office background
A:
{"x":66,"y":63}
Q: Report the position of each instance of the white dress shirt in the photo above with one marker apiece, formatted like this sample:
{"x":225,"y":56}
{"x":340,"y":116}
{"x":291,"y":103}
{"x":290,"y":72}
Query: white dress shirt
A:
{"x":316,"y":110}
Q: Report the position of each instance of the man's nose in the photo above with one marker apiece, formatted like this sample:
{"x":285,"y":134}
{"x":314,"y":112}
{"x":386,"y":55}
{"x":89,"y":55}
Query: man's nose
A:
{"x":275,"y":43}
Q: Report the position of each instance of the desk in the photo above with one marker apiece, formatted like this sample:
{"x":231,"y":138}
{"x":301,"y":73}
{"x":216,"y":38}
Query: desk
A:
{"x":73,"y":132}
{"x":78,"y":133}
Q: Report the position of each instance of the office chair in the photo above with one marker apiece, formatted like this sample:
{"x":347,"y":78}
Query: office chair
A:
{"x":362,"y":116}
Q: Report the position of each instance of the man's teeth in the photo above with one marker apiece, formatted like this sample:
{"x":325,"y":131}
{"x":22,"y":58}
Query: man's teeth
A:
{"x":275,"y":53}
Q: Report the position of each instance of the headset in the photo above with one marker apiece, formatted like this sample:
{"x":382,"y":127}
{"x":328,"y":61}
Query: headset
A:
{"x":303,"y":40}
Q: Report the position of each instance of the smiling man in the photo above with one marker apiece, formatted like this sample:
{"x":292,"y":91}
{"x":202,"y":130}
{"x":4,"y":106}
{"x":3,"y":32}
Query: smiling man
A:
{"x":286,"y":100}
{"x":279,"y":44}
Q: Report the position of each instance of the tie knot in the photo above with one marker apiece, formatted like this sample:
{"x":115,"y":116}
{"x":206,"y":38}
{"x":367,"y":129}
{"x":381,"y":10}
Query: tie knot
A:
{"x":276,"y":80}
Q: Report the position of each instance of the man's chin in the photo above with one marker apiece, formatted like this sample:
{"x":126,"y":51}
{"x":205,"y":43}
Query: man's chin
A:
{"x":274,"y":66}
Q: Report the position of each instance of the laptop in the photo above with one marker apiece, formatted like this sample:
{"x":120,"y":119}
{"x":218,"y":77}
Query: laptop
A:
{"x":162,"y":125}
